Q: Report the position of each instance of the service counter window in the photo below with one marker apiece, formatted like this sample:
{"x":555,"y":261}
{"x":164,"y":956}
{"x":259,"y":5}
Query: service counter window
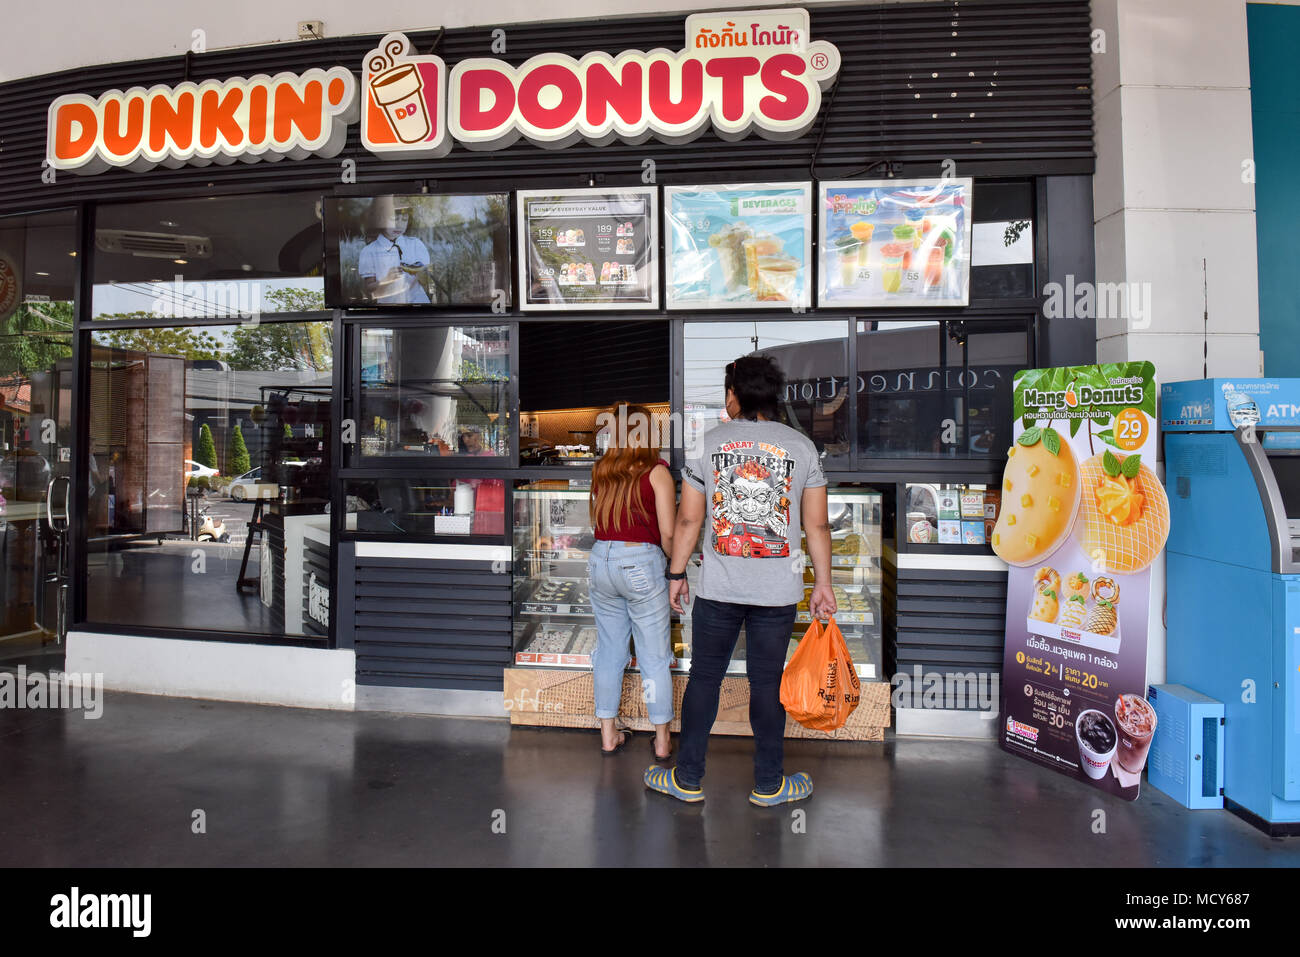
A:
{"x":209,"y":478}
{"x":236,"y":257}
{"x":462,"y":509}
{"x":813,"y":354}
{"x":938,"y":389}
{"x":429,"y":391}
{"x":945,"y":513}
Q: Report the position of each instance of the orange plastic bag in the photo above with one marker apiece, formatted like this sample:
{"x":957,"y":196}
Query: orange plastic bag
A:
{"x":820,"y":687}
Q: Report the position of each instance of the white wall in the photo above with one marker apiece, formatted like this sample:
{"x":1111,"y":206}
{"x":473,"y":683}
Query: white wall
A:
{"x":219,"y":670}
{"x":1173,"y":128}
{"x":33,"y":41}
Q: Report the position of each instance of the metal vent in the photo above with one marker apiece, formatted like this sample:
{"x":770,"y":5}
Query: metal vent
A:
{"x":153,"y":245}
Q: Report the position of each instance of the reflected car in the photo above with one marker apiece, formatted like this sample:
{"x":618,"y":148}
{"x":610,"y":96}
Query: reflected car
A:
{"x":250,"y":485}
{"x":199,"y":471}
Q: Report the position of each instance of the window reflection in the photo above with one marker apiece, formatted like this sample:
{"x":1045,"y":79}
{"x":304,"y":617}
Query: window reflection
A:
{"x":435,"y":390}
{"x":813,"y":354}
{"x":200,"y":440}
{"x":938,"y":388}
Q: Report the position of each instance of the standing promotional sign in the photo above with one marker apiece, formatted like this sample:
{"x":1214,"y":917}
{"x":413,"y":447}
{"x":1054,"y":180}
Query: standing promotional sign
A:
{"x":1083,"y":517}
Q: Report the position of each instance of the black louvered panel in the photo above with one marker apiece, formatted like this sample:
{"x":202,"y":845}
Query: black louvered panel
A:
{"x":948,"y":621}
{"x":1000,"y":88}
{"x":430,"y":623}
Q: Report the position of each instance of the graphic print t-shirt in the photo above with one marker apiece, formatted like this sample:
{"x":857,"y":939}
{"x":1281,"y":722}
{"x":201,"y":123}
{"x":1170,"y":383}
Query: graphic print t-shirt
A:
{"x":753,"y":475}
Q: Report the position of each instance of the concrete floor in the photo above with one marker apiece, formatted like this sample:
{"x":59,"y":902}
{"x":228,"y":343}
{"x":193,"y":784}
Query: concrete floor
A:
{"x":281,"y":786}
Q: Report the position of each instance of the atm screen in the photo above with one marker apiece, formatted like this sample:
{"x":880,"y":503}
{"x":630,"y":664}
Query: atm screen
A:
{"x":1286,"y":469}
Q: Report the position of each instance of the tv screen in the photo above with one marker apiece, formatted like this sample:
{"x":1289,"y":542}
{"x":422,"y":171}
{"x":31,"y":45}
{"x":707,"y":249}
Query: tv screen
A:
{"x":417,"y":250}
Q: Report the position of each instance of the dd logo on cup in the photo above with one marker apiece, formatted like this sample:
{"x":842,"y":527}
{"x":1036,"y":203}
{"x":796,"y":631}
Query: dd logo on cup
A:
{"x":403,"y":113}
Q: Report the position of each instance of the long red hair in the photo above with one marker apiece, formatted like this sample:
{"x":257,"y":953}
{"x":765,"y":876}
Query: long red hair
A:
{"x":617,"y":474}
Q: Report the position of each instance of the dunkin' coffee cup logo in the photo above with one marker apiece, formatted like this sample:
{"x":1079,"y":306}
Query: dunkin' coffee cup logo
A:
{"x":403,"y":101}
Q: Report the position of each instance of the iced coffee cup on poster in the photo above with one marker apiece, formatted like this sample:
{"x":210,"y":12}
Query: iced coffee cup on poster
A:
{"x":1137,"y":726}
{"x":398,"y":88}
{"x":1095,"y":734}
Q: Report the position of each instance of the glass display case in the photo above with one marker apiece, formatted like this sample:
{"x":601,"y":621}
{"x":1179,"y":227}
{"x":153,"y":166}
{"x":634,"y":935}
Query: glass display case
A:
{"x":950,"y":514}
{"x":553,"y":621}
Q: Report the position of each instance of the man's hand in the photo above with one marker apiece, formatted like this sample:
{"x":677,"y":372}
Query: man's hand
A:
{"x":822,"y":603}
{"x":679,"y":593}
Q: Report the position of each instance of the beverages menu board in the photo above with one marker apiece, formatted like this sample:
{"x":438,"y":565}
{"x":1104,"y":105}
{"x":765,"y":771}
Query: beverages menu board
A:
{"x":746,"y":246}
{"x":588,"y":249}
{"x":895,"y":242}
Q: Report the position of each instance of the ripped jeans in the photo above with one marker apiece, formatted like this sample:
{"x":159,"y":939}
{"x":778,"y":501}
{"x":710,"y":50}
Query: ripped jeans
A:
{"x":629,"y":597}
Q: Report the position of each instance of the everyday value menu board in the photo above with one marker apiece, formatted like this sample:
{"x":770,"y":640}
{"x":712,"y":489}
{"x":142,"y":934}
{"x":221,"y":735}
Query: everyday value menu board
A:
{"x":895,"y":242}
{"x":1083,"y":517}
{"x":588,"y":249}
{"x":745,"y":246}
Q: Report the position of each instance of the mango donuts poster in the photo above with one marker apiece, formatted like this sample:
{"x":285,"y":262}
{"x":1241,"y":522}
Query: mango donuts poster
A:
{"x":1083,"y":517}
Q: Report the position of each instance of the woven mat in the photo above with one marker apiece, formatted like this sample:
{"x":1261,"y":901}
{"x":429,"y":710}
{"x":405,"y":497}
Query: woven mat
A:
{"x":540,"y":697}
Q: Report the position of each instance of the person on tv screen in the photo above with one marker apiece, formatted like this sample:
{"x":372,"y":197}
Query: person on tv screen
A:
{"x":393,"y":267}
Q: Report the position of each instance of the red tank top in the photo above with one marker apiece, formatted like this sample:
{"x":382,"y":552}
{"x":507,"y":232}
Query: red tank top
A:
{"x":640,"y":529}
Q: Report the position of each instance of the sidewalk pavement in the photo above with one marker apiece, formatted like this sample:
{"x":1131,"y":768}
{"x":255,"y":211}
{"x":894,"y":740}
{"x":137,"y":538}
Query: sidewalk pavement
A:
{"x":291,"y":787}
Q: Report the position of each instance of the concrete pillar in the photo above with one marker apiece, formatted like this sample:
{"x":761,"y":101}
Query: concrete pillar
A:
{"x":1173,"y":130}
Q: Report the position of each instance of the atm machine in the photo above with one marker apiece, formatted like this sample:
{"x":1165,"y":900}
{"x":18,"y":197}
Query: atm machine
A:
{"x":1232,"y":468}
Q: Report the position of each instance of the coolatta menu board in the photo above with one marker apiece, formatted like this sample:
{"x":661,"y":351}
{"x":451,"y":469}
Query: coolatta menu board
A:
{"x":895,"y":242}
{"x":588,"y":249}
{"x":746,"y":246}
{"x":1083,"y":517}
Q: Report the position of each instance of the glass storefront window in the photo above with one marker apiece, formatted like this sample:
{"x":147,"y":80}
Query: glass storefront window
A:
{"x":814,"y":355}
{"x":38,"y":264}
{"x":426,"y":507}
{"x":434,"y":390}
{"x":222,"y":257}
{"x":199,"y":439}
{"x":938,"y":389}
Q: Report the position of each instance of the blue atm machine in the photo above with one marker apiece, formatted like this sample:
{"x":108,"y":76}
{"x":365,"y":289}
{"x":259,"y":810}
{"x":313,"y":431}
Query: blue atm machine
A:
{"x":1232,"y":470}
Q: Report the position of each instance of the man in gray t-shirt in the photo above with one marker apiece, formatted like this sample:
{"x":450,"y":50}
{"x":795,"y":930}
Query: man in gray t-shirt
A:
{"x":758,"y":484}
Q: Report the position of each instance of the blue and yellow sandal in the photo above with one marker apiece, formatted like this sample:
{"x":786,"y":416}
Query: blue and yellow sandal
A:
{"x":796,"y":787}
{"x":664,"y":780}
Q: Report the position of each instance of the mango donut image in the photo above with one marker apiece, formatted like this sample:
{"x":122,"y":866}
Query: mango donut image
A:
{"x":1045,"y":606}
{"x":1125,"y":513}
{"x":1047,"y":579}
{"x":1074,"y":612}
{"x":1076,"y":585}
{"x":1040,"y":498}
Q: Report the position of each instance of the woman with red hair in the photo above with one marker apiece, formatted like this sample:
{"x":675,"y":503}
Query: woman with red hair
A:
{"x":633,"y":509}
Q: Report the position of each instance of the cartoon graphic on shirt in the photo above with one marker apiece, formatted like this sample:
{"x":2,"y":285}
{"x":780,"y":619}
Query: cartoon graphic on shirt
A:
{"x":751,"y":500}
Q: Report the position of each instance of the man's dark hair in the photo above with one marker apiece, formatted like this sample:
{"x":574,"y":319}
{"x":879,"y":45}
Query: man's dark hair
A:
{"x":757,"y":382}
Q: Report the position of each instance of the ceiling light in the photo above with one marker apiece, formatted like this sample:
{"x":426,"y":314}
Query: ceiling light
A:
{"x":42,"y":273}
{"x":180,"y":262}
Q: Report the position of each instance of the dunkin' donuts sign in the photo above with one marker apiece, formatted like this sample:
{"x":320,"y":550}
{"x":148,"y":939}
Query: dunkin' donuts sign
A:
{"x":740,"y":72}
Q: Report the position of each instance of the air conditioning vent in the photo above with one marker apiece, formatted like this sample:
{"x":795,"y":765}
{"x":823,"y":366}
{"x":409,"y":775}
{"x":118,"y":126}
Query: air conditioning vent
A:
{"x":153,"y":245}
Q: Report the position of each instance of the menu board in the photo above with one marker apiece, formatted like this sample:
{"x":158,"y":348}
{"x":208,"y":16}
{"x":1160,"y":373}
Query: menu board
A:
{"x":588,"y":249}
{"x":1083,"y":518}
{"x":895,"y":242}
{"x":741,"y":246}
